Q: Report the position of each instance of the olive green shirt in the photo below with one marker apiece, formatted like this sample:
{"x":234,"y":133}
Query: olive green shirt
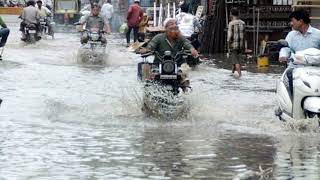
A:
{"x":93,"y":22}
{"x":2,"y":24}
{"x":160,"y":43}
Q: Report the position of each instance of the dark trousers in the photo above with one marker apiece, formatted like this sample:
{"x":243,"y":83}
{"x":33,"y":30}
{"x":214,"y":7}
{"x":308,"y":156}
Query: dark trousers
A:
{"x":4,"y":33}
{"x":141,"y":36}
{"x":135,"y":34}
{"x":236,"y":56}
{"x":290,"y":81}
{"x":140,"y":70}
{"x":194,"y":39}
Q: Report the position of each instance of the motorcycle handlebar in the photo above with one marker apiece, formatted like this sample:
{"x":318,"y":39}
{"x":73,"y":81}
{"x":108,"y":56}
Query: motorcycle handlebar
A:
{"x":86,"y":30}
{"x":183,"y":52}
{"x":147,"y":54}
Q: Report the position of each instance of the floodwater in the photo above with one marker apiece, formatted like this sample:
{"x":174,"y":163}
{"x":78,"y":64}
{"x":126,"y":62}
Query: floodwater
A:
{"x":65,"y":120}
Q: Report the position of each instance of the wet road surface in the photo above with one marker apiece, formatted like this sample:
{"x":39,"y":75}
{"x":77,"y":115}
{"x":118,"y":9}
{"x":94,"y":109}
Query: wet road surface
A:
{"x":65,"y":120}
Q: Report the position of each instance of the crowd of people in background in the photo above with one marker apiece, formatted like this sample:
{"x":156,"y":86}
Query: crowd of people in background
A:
{"x":22,"y":3}
{"x":137,"y":21}
{"x":11,"y":3}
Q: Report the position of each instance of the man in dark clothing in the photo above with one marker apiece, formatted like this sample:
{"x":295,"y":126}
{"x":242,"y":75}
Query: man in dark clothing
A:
{"x":172,"y":41}
{"x":4,"y":33}
{"x":93,"y":22}
{"x":134,"y":17}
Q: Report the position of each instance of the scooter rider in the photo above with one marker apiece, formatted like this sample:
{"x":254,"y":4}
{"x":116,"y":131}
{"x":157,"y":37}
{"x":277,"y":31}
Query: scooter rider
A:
{"x":30,"y":15}
{"x":94,"y":20}
{"x":303,"y":36}
{"x":46,"y":14}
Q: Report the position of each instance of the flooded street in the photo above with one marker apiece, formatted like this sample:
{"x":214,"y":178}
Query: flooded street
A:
{"x":63,"y":120}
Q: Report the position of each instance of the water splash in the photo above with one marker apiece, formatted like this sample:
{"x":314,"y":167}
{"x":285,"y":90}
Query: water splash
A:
{"x":303,"y":125}
{"x":159,"y":101}
{"x":88,"y":56}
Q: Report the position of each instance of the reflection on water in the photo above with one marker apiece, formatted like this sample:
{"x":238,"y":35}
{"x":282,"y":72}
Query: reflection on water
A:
{"x":63,"y":120}
{"x":187,"y":153}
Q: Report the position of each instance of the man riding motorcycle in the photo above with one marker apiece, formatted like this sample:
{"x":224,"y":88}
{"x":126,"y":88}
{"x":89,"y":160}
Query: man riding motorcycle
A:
{"x":93,"y":21}
{"x":171,"y":40}
{"x":30,"y":15}
{"x":303,"y":36}
{"x":46,"y":14}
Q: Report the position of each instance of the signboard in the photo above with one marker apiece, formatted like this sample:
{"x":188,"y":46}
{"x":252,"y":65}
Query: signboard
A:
{"x":11,"y":10}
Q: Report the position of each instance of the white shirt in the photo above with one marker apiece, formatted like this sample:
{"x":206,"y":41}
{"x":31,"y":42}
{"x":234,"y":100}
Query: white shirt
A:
{"x":30,"y":14}
{"x":107,"y":11}
{"x":186,"y":23}
{"x":298,"y":41}
{"x":47,"y":2}
{"x":44,"y":12}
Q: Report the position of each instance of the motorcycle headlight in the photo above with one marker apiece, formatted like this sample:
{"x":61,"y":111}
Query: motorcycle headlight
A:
{"x":168,"y":67}
{"x":94,"y":36}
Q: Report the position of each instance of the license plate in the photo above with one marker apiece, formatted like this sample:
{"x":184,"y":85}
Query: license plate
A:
{"x":168,"y":76}
{"x":95,"y":36}
{"x":32,"y":31}
{"x":95,"y":42}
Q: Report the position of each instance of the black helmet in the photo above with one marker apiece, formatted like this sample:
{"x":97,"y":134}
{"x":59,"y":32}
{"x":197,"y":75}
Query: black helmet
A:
{"x":92,"y":2}
{"x":39,"y":1}
{"x":31,"y":3}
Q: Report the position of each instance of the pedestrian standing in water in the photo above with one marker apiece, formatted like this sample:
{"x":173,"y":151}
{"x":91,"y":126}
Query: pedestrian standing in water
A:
{"x":236,"y":41}
{"x":134,"y":17}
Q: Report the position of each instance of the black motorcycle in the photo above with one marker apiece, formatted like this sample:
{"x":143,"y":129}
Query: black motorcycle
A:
{"x":94,"y":40}
{"x":31,"y":33}
{"x":93,"y":50}
{"x":163,"y":83}
{"x":44,"y":28}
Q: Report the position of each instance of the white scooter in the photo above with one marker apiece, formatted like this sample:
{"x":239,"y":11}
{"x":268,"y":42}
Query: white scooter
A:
{"x":304,"y":103}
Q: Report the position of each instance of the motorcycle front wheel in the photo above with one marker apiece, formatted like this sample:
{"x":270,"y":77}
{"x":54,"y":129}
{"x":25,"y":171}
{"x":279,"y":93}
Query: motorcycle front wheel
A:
{"x":32,"y":38}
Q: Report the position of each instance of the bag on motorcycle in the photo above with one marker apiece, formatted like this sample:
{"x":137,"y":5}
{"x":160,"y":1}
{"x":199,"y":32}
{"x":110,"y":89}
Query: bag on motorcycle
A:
{"x":124,"y":28}
{"x":308,"y":56}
